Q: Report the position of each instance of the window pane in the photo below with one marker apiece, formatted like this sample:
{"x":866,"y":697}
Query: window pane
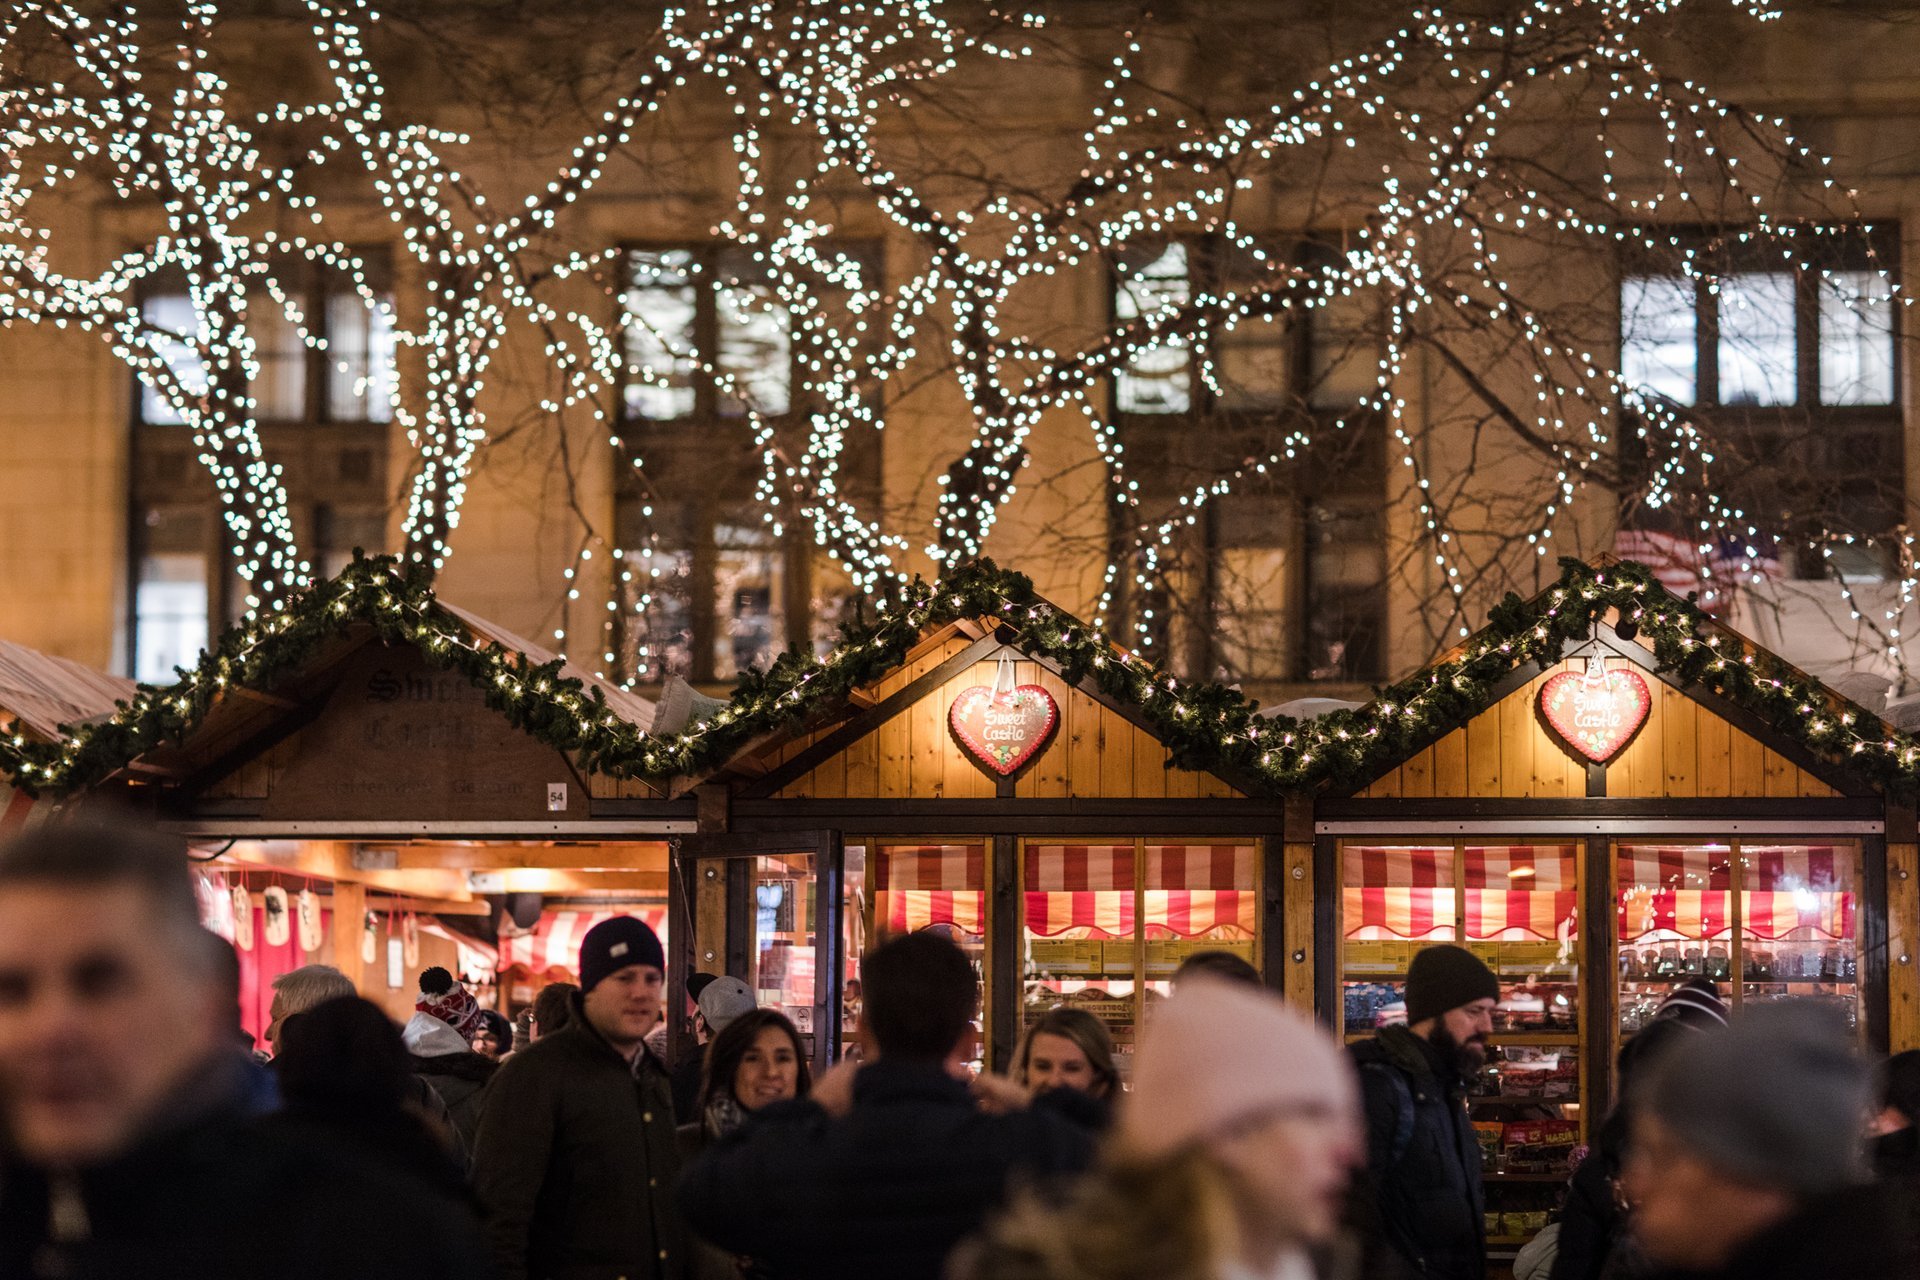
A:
{"x":663,"y":632}
{"x":1798,"y":938}
{"x":170,"y":615}
{"x":1159,"y":378}
{"x":1856,"y":339}
{"x":173,"y":312}
{"x":939,"y":889}
{"x":280,"y":388}
{"x":1344,"y":351}
{"x":1394,"y":900}
{"x":1250,"y":594}
{"x":1346,"y":577}
{"x":1078,"y":942}
{"x":1657,"y":348}
{"x":1676,"y":922}
{"x":755,"y":350}
{"x":360,"y":359}
{"x":1759,"y":362}
{"x":749,"y":595}
{"x":1253,"y":360}
{"x":660,"y":310}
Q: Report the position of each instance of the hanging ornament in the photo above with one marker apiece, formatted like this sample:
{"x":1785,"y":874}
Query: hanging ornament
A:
{"x":370,"y":939}
{"x":307,"y":912}
{"x":1597,"y":712}
{"x":1003,"y":727}
{"x":242,"y":918}
{"x":410,"y":940}
{"x":279,"y":922}
{"x":215,"y":899}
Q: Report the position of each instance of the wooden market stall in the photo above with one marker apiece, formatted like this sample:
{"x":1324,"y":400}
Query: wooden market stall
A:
{"x":41,"y":698}
{"x":398,"y":776}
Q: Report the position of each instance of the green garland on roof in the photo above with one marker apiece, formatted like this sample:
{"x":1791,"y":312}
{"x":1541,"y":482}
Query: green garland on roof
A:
{"x":1206,"y":726}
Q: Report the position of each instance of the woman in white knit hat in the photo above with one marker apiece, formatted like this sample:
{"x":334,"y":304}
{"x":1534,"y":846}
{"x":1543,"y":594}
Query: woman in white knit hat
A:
{"x":1230,"y":1162}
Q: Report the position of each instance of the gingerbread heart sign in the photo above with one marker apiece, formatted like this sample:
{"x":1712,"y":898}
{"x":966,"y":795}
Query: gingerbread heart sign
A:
{"x":1003,"y":730}
{"x":1596,"y":713}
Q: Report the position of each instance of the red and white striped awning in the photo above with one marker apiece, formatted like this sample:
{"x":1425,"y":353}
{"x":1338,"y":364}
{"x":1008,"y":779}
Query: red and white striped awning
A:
{"x":1191,"y":890}
{"x":919,"y":885}
{"x":18,"y":810}
{"x":1505,"y":889}
{"x":554,"y":943}
{"x":1687,"y":891}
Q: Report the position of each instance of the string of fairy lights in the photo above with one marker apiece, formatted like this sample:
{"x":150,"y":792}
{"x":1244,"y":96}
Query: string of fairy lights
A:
{"x":1434,"y":204}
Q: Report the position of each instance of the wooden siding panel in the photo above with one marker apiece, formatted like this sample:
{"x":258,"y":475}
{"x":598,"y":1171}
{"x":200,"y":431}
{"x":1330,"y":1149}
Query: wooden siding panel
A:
{"x":1713,"y":747}
{"x":1746,"y":765}
{"x":1782,"y":777}
{"x":1516,"y":744}
{"x":1450,"y":764}
{"x":1416,"y":775}
{"x":1483,"y":756}
{"x":1679,"y":734}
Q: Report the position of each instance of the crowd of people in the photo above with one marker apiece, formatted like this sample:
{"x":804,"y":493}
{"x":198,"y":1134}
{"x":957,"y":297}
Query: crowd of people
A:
{"x":141,"y":1135}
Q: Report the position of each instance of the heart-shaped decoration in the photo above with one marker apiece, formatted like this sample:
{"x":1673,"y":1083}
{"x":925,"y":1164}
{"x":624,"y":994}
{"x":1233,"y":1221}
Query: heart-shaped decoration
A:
{"x":1003,"y":730}
{"x":1596,"y":717}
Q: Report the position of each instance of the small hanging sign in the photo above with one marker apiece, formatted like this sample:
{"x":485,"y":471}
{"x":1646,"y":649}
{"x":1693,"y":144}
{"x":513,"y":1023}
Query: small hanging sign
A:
{"x":1596,"y":712}
{"x":1003,"y":727}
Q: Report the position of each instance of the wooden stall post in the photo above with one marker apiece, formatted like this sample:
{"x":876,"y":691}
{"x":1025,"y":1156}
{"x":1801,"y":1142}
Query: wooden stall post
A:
{"x":1903,"y":929}
{"x":349,"y":922}
{"x":1296,"y":889}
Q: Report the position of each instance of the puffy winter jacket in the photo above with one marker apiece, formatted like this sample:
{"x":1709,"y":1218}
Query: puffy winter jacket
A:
{"x":458,"y":1075}
{"x":1423,"y":1161}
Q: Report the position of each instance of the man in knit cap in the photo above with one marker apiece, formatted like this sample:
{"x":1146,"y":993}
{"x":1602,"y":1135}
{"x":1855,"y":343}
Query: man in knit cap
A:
{"x":1746,"y":1161}
{"x":575,"y":1161}
{"x":1423,"y":1191}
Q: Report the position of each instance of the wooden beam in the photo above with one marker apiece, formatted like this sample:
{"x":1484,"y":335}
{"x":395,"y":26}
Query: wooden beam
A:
{"x":349,"y":917}
{"x":638,"y":856}
{"x":428,"y":906}
{"x":541,"y":880}
{"x":329,"y":860}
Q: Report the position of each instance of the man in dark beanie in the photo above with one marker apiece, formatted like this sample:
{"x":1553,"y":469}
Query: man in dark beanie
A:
{"x":575,"y":1162}
{"x":1746,"y":1161}
{"x":1422,"y":1188}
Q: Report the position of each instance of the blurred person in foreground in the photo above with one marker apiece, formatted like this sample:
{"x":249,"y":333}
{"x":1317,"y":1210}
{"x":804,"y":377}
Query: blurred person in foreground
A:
{"x":1230,"y":1162}
{"x":1422,"y":1189}
{"x":126,"y":1146}
{"x":1593,"y":1241}
{"x":576,"y":1157}
{"x":1894,"y":1131}
{"x":1746,"y":1161}
{"x":890,"y":1162}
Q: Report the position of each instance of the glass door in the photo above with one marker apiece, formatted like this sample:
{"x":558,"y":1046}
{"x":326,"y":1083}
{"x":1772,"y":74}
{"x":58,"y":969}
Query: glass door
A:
{"x":901,"y":888}
{"x":1517,"y":908}
{"x":766,"y":909}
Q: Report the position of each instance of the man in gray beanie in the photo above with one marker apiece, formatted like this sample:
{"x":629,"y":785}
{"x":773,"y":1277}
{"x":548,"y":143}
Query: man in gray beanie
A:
{"x":1422,"y":1190}
{"x":1746,"y":1160}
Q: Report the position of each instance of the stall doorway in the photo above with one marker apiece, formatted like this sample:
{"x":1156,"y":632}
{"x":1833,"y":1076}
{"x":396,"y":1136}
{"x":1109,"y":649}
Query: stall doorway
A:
{"x":767,"y":909}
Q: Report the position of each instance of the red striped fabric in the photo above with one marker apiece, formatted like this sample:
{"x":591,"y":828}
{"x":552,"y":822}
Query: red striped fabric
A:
{"x":1220,"y":867}
{"x":929,"y":867}
{"x":1688,"y":891}
{"x":554,"y":942}
{"x":1079,"y":868}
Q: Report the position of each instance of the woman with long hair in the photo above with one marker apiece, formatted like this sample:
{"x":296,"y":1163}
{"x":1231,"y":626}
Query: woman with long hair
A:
{"x":1069,"y":1048}
{"x":1230,"y":1161}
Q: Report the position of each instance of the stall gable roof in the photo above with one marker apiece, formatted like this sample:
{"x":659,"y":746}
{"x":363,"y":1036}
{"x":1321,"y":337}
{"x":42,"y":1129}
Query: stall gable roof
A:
{"x":1786,"y":710}
{"x":234,"y":681}
{"x":1205,"y":726}
{"x":901,"y":718}
{"x":43,"y":692}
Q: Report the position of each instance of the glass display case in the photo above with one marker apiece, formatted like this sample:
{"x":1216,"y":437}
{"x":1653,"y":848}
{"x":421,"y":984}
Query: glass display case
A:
{"x":1760,"y":920}
{"x":1517,"y":908}
{"x":1105,"y":925}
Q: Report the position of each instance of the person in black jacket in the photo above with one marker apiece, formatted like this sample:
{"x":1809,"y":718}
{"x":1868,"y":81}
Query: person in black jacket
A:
{"x":127,"y":1146}
{"x":888,"y":1165}
{"x":575,"y":1160}
{"x":1422,"y":1188}
{"x":1746,"y":1161}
